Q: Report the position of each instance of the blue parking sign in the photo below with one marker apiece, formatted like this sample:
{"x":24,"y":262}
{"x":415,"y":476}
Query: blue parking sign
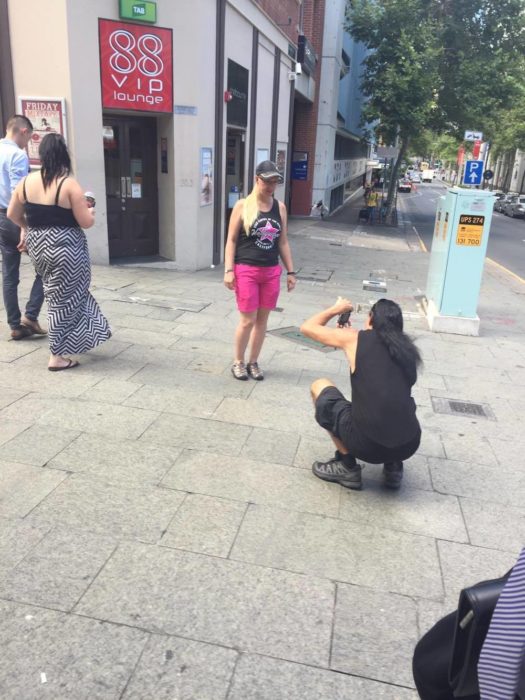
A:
{"x":473,"y":172}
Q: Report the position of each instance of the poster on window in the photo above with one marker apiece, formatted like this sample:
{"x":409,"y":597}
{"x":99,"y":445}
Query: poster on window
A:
{"x":280,"y":162}
{"x":48,"y":116}
{"x":206,"y":194}
{"x":136,"y":66}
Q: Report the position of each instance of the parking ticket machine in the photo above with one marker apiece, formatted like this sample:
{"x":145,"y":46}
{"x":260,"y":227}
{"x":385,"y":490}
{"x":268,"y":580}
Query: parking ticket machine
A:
{"x":459,"y":245}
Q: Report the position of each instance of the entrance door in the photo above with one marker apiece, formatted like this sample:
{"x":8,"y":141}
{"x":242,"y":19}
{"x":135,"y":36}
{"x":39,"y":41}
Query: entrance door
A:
{"x":130,"y":158}
{"x":234,"y":180}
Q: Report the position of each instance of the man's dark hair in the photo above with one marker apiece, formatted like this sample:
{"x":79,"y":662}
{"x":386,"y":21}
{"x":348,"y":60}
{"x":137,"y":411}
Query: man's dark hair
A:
{"x":54,"y":157}
{"x":386,"y":319}
{"x":18,"y":121}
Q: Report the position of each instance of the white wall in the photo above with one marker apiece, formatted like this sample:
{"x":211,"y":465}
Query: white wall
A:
{"x":328,"y":99}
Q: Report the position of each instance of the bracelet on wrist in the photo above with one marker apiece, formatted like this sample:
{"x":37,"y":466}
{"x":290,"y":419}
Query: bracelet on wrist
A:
{"x":226,"y":271}
{"x":292,"y":273}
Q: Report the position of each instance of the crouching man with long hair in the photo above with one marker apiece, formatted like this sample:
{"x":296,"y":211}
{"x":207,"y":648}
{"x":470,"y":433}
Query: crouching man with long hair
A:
{"x":379,"y":425}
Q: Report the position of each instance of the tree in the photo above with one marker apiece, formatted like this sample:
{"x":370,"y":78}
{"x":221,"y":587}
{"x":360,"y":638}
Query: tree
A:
{"x":443,"y":65}
{"x":400,"y":71}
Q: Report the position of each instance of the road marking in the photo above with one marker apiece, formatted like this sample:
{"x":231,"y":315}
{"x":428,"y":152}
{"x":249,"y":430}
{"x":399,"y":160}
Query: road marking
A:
{"x":421,"y":244}
{"x":505,"y":269}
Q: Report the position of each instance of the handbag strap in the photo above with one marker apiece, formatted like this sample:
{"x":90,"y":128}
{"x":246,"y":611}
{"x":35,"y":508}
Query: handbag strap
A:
{"x":502,"y":654}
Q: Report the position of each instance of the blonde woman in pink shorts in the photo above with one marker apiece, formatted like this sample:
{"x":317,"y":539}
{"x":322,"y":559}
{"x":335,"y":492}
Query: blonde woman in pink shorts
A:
{"x":257,"y":237}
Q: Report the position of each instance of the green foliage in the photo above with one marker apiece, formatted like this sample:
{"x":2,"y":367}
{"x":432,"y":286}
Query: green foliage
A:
{"x":443,"y":65}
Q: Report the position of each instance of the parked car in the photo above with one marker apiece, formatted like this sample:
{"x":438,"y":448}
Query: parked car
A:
{"x":515,"y":207}
{"x":404,"y":185}
{"x":414,"y":176}
{"x":500,"y":203}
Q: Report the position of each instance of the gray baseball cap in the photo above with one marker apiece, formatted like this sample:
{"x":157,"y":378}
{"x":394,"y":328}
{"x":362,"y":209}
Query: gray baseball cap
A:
{"x":267,"y":170}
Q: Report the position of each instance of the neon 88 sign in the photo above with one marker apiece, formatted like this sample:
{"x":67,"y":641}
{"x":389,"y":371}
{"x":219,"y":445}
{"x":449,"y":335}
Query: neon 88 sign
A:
{"x":136,"y":66}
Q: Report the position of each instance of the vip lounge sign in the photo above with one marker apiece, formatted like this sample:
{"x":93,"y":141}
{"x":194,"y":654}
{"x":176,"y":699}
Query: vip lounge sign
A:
{"x":136,"y":66}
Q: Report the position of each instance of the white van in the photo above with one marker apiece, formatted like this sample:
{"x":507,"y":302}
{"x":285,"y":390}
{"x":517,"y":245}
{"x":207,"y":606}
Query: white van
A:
{"x":427,"y":175}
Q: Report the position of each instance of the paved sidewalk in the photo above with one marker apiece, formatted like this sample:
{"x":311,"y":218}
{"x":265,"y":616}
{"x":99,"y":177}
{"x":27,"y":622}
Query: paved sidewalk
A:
{"x":162,"y":535}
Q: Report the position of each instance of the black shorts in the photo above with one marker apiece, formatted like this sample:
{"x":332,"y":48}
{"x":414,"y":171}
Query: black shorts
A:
{"x":334,"y":413}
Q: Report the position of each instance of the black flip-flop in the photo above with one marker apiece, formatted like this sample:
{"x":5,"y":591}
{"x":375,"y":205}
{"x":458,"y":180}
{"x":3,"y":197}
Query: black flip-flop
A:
{"x":70,"y":365}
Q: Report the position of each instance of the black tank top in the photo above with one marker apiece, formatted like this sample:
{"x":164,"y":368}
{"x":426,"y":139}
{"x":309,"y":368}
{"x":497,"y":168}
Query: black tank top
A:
{"x":382,"y":407}
{"x":261,"y":247}
{"x":42,"y":215}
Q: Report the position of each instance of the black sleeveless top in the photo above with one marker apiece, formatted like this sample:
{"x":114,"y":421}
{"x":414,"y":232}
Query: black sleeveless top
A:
{"x":382,"y":407}
{"x":261,"y":247}
{"x":43,"y":215}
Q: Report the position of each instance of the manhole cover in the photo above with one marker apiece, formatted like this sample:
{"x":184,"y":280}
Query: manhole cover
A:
{"x":294,"y":335}
{"x":455,"y":407}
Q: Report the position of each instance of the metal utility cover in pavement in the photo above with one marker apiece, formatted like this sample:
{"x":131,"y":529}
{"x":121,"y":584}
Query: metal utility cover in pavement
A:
{"x":455,"y":407}
{"x":374,"y":285}
{"x":294,"y":335}
{"x":314,"y":275}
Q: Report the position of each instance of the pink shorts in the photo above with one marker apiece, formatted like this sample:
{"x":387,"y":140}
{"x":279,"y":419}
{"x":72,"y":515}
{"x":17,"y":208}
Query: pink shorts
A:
{"x":257,"y":287}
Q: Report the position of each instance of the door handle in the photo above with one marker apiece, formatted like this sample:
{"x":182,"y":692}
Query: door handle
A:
{"x":128,"y":187}
{"x":122,"y":187}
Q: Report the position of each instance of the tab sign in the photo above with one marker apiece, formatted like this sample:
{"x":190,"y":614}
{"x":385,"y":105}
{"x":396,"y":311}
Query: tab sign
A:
{"x":470,"y":230}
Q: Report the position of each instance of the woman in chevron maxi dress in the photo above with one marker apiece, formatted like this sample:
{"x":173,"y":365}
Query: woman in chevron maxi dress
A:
{"x":53,"y":208}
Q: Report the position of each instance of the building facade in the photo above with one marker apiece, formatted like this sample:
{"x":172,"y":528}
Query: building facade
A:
{"x":164,"y":120}
{"x":341,"y":153}
{"x":167,"y":107}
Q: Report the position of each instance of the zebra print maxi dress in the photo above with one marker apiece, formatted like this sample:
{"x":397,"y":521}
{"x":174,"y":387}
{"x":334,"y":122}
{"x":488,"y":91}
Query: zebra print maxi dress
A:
{"x":59,"y":252}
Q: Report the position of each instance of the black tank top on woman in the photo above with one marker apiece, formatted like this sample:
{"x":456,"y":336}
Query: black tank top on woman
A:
{"x":382,"y":407}
{"x":43,"y":215}
{"x":261,"y":247}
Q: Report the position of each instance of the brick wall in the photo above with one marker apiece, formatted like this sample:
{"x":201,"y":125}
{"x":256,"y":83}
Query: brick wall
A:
{"x":305,"y":113}
{"x":279,"y":11}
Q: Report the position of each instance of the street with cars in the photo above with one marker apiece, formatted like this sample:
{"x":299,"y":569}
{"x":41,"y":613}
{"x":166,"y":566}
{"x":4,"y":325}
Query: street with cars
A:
{"x":506,"y":244}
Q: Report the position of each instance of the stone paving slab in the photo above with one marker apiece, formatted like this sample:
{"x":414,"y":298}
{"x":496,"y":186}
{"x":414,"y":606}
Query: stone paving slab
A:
{"x":205,"y":525}
{"x":484,"y":483}
{"x":111,"y":391}
{"x":418,"y":511}
{"x":271,"y":446}
{"x":245,"y":480}
{"x":382,"y":559}
{"x":171,"y":668}
{"x":116,"y":461}
{"x":37,"y":445}
{"x":251,"y":608}
{"x":11,"y":428}
{"x":86,"y":502}
{"x":53,"y":656}
{"x":192,"y":381}
{"x":22,"y":487}
{"x":199,"y":433}
{"x":177,"y":400}
{"x":494,"y":526}
{"x":17,"y":539}
{"x":58,"y":570}
{"x":260,"y":678}
{"x":14,"y":376}
{"x":297,"y":419}
{"x":374,"y":635}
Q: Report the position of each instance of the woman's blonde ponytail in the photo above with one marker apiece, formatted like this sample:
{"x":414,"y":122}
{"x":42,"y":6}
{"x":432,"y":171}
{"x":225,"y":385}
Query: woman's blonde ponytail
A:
{"x":250,"y":210}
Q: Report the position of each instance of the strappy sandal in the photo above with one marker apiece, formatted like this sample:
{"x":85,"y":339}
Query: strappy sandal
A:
{"x":71,"y":364}
{"x":239,"y":371}
{"x":255,"y":372}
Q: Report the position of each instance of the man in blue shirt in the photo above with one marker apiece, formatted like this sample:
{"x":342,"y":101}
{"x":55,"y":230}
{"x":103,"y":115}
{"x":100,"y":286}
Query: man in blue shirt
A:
{"x":14,"y":166}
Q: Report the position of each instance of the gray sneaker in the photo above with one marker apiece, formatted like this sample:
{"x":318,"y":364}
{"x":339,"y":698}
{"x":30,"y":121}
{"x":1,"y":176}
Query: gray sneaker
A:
{"x":334,"y":470}
{"x":393,"y":474}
